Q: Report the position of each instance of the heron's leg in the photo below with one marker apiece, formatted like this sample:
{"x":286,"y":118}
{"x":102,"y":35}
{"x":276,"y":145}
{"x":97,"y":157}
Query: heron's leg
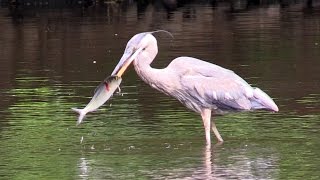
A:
{"x":216,"y":132}
{"x":206,"y":119}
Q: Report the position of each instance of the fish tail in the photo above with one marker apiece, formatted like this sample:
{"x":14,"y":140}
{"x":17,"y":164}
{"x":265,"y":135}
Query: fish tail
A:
{"x":81,"y":114}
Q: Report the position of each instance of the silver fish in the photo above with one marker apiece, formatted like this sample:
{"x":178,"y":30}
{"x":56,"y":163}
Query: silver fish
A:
{"x":102,"y":93}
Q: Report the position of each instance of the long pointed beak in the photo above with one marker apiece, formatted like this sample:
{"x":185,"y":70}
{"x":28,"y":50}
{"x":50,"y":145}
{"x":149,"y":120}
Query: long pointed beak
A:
{"x":125,"y":61}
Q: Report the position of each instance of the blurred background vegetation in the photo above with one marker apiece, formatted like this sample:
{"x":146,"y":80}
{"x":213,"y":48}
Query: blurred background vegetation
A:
{"x":17,"y":6}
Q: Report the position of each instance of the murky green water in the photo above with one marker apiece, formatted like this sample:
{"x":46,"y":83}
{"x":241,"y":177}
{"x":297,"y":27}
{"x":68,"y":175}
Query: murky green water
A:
{"x":47,"y":68}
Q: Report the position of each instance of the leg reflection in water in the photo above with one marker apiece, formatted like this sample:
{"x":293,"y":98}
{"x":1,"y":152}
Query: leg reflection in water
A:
{"x":207,"y":160}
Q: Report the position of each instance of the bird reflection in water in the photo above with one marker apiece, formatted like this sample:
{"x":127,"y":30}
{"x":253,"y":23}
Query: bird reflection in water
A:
{"x":239,"y":162}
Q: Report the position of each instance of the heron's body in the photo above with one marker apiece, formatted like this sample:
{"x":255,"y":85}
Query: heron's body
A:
{"x":199,"y":85}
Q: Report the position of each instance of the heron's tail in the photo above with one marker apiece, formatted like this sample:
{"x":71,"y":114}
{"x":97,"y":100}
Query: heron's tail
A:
{"x":81,"y":113}
{"x":264,"y":101}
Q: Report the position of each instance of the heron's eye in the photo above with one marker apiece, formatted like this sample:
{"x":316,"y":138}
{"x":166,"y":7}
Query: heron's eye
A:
{"x":144,"y":49}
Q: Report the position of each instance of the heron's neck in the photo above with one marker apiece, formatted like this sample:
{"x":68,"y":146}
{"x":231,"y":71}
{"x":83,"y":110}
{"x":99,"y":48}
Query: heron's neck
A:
{"x":156,"y":78}
{"x":142,"y":65}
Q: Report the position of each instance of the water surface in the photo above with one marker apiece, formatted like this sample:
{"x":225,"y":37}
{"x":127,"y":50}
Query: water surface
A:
{"x":47,"y":67}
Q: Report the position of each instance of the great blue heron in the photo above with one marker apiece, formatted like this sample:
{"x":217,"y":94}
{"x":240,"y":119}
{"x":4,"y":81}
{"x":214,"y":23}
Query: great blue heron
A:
{"x":200,"y":86}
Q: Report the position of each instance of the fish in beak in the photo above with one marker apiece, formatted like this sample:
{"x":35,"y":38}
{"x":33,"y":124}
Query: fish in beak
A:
{"x":106,"y":89}
{"x":102,"y":93}
{"x":126,"y":59}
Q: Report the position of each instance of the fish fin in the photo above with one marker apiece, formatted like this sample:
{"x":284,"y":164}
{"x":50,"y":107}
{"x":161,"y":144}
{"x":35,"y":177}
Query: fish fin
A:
{"x":81,"y":114}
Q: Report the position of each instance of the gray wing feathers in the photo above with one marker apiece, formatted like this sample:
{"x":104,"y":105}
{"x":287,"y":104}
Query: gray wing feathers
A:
{"x":225,"y":94}
{"x":213,"y":85}
{"x":263,"y":99}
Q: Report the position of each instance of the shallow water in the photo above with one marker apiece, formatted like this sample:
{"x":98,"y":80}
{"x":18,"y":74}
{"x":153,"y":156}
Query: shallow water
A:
{"x":47,"y":67}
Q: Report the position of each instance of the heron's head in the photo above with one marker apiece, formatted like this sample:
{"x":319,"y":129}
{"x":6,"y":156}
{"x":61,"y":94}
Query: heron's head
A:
{"x":140,"y":44}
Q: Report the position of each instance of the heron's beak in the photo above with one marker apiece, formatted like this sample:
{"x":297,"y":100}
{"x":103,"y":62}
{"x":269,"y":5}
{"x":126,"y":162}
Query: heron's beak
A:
{"x":125,"y":61}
